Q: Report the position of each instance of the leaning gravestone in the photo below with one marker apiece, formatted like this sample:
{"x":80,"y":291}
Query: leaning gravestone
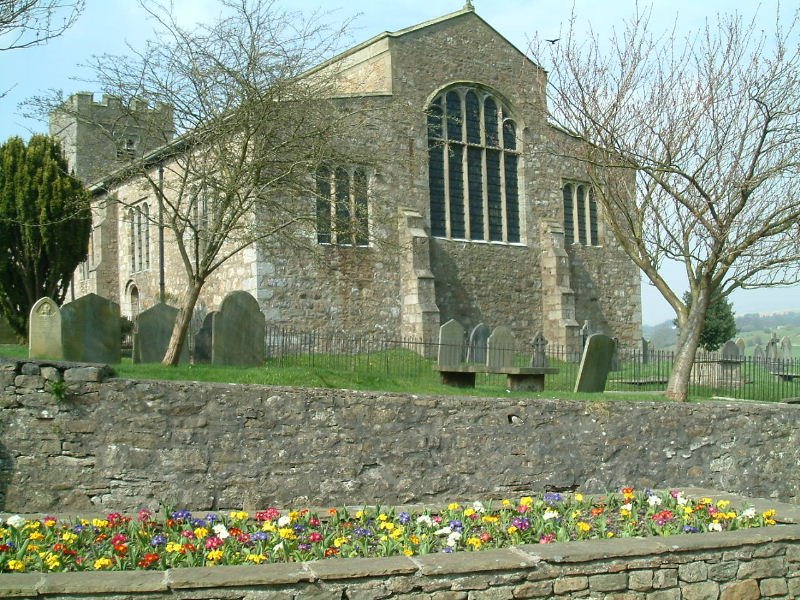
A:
{"x":476,"y":351}
{"x":44,"y":330}
{"x":202,"y":339}
{"x":595,"y":364}
{"x":741,"y":345}
{"x":90,"y":330}
{"x":237,"y":332}
{"x":500,"y":348}
{"x":153,"y":330}
{"x":451,"y":344}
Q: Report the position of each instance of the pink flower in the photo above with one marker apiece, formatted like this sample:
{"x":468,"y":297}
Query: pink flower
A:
{"x":213,"y":542}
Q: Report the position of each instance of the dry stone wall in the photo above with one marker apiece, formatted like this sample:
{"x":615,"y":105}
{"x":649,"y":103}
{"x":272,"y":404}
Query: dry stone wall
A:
{"x":120,"y":444}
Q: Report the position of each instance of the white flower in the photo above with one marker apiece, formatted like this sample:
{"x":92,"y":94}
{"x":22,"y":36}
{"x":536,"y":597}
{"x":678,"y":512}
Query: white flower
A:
{"x":284,"y":521}
{"x":424,"y":520}
{"x":278,"y":547}
{"x":550,"y":514}
{"x":453,"y":538}
{"x":714,"y":527}
{"x":16,"y":521}
{"x":477,"y":506}
{"x":654,"y":500}
{"x":221,"y":531}
{"x":748,"y":513}
{"x":628,"y":507}
{"x":681,"y":499}
{"x":443,"y":531}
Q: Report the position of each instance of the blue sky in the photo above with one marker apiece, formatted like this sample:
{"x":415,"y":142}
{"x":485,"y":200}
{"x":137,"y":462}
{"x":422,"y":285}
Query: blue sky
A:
{"x":107,"y":26}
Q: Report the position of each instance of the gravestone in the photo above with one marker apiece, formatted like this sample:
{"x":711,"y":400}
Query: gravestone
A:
{"x":202,"y":340}
{"x":476,"y":350}
{"x":152,"y":333}
{"x":539,"y":353}
{"x":730,"y":351}
{"x":90,"y":330}
{"x":615,"y":365}
{"x":771,"y":352}
{"x":740,"y":343}
{"x":595,"y":364}
{"x":758,"y":355}
{"x":451,"y":344}
{"x":44,"y":330}
{"x":786,"y":349}
{"x":500,"y":348}
{"x":645,"y":351}
{"x":237,"y":332}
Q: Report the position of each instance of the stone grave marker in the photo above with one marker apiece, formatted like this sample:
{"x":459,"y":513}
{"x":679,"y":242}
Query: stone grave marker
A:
{"x":237,"y":332}
{"x":451,"y":344}
{"x":595,"y":364}
{"x":786,"y":349}
{"x":645,"y":351}
{"x":740,"y":343}
{"x":476,"y":350}
{"x":771,"y":352}
{"x":44,"y":330}
{"x":730,"y":351}
{"x":615,"y":364}
{"x":758,"y":355}
{"x":202,"y":339}
{"x":152,"y":333}
{"x":90,"y":330}
{"x":500,"y":348}
{"x":539,"y":353}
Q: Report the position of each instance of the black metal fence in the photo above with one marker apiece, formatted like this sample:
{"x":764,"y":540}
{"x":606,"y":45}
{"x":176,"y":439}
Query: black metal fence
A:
{"x":632,"y":370}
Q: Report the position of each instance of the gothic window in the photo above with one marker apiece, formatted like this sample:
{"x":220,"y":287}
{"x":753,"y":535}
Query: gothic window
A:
{"x":342,"y":206}
{"x":473,"y":167}
{"x":139,"y":237}
{"x":580,"y":215}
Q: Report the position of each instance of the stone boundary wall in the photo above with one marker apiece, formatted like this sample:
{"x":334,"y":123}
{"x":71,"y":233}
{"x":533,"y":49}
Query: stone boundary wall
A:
{"x":736,"y":565}
{"x":113,"y":444}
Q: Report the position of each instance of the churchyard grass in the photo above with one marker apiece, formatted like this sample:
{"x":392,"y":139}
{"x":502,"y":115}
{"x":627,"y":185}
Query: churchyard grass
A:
{"x":179,"y":538}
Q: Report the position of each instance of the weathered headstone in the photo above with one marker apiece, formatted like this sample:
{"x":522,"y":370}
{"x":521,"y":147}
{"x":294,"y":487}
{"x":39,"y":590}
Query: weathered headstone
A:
{"x":152,"y":333}
{"x":476,"y":351}
{"x":740,"y":343}
{"x":771,"y":352}
{"x":615,"y":365}
{"x":758,"y":355}
{"x":786,"y":349}
{"x":730,"y":351}
{"x":44,"y":330}
{"x":539,"y":353}
{"x":645,"y":351}
{"x":202,"y":340}
{"x":237,"y":332}
{"x":90,"y":330}
{"x":500,"y":348}
{"x":595,"y":364}
{"x":451,"y":344}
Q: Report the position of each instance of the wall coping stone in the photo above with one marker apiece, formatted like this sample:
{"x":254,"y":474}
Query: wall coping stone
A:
{"x":79,"y":371}
{"x":528,"y":557}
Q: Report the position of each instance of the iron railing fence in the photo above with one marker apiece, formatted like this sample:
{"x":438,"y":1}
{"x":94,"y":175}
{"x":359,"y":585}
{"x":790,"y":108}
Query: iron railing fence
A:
{"x":632,"y":370}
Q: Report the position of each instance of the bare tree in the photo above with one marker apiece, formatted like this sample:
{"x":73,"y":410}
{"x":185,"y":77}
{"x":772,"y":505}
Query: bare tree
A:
{"x":694,"y":145}
{"x":253,"y":125}
{"x":26,"y":23}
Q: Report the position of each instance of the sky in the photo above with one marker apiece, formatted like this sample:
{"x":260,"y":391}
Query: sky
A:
{"x":111,"y":26}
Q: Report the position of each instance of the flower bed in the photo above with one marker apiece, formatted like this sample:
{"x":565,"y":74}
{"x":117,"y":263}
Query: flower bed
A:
{"x":183,"y":539}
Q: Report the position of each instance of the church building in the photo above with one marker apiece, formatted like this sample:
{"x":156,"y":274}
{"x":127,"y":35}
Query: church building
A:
{"x":486,"y":223}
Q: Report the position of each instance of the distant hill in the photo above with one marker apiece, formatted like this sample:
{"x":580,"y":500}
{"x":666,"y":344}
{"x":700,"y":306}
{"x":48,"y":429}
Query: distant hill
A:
{"x":752,"y":328}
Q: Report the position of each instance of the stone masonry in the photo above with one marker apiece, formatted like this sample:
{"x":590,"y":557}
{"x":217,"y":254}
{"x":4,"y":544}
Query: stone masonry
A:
{"x":101,"y":444}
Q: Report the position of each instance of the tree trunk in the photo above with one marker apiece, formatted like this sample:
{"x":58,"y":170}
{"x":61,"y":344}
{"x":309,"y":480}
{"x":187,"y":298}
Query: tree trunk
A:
{"x":690,"y":328}
{"x":182,"y":321}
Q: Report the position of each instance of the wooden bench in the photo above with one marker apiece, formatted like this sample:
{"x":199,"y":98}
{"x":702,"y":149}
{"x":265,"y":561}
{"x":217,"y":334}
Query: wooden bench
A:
{"x":518,"y":379}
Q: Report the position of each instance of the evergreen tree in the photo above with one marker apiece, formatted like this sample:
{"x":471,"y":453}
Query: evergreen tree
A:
{"x":719,"y":325}
{"x":45,"y":222}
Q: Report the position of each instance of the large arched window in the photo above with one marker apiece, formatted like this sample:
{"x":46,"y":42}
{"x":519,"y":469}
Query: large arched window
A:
{"x":473,"y":167}
{"x":139,"y":237}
